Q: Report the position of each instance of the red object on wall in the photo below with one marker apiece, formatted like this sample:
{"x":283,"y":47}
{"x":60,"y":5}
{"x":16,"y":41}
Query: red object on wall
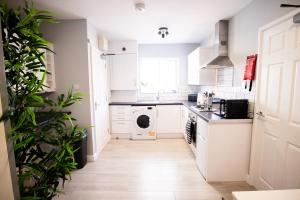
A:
{"x":250,"y":67}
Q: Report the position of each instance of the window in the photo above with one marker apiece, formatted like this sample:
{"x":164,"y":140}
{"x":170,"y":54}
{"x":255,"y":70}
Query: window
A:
{"x":159,"y":75}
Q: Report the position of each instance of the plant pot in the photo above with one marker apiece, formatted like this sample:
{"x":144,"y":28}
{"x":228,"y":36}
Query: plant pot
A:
{"x":80,"y":155}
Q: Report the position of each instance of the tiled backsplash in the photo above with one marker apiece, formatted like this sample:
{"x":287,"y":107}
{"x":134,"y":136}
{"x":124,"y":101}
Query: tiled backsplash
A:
{"x":132,"y":96}
{"x":225,"y":76}
{"x":233,"y":93}
{"x":181,"y":95}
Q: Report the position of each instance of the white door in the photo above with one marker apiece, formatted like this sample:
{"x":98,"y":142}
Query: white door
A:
{"x":275,"y":158}
{"x":100,"y":98}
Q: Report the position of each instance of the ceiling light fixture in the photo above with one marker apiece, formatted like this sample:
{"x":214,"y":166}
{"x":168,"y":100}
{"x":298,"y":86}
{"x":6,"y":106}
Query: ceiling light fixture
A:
{"x":163,"y":31}
{"x":140,"y":6}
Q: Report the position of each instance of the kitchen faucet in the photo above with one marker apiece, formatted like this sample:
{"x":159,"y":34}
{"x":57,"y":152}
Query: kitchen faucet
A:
{"x":158,"y":96}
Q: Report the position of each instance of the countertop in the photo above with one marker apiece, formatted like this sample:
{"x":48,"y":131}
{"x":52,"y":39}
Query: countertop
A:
{"x":209,"y":117}
{"x":146,"y":103}
{"x":268,"y":195}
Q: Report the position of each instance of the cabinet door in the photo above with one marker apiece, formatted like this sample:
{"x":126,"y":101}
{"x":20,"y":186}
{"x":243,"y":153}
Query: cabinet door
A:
{"x":124,"y":72}
{"x":168,"y":119}
{"x":193,"y":68}
{"x":206,"y":55}
{"x":201,"y":155}
{"x":120,"y":127}
{"x":184,"y":118}
{"x":202,"y":147}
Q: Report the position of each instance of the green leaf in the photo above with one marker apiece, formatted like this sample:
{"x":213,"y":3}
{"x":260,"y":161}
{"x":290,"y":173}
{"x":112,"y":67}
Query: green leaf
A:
{"x":23,"y":143}
{"x":31,"y":113}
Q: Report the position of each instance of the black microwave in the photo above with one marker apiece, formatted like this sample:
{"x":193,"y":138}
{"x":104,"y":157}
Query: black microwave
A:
{"x":233,"y":109}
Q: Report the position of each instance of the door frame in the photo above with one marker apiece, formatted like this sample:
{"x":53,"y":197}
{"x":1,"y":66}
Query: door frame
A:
{"x":256,"y":143}
{"x":94,"y":156}
{"x":95,"y":148}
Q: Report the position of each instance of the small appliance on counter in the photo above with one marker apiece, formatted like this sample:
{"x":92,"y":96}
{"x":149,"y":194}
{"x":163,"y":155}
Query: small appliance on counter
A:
{"x":205,"y":100}
{"x":192,"y":97}
{"x":233,"y":109}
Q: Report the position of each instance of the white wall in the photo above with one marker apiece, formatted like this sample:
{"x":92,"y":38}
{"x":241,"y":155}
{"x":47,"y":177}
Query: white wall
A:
{"x":6,"y":188}
{"x":243,"y":31}
{"x":243,"y":40}
{"x":71,"y":61}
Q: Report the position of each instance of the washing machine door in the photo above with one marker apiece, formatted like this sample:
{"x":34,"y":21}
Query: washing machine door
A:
{"x":143,"y":121}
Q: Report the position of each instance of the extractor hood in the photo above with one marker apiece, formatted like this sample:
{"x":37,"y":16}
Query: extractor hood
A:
{"x":221,"y":59}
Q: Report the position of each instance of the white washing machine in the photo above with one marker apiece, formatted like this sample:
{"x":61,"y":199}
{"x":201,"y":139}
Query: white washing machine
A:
{"x":144,"y":123}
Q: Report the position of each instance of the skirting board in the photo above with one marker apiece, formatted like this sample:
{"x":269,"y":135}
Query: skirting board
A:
{"x":159,"y":135}
{"x":249,"y":180}
{"x":120,"y":135}
{"x":94,"y":157}
{"x":169,"y":135}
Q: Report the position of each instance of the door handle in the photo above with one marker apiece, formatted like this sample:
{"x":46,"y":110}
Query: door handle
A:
{"x":260,"y":114}
{"x":96,"y":105}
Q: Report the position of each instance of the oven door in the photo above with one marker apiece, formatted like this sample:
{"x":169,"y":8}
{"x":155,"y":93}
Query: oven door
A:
{"x":191,"y":131}
{"x":194,"y":132}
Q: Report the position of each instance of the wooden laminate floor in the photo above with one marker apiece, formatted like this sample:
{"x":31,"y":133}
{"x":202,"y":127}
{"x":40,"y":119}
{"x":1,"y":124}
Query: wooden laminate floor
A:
{"x":146,"y":170}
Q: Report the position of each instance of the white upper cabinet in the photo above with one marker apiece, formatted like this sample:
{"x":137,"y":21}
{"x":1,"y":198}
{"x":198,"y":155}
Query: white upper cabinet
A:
{"x":193,"y":68}
{"x":123,"y":65}
{"x":197,"y":75}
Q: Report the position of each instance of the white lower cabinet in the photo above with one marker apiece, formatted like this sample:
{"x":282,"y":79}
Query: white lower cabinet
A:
{"x":168,"y":119}
{"x":223,"y":150}
{"x":120,"y":121}
{"x":184,"y":118}
{"x":120,"y":126}
{"x":201,"y":156}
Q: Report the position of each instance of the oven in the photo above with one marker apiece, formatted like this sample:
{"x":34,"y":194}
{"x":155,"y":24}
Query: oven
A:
{"x":191,"y":129}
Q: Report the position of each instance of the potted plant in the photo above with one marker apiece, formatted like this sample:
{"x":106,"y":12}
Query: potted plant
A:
{"x":44,"y":151}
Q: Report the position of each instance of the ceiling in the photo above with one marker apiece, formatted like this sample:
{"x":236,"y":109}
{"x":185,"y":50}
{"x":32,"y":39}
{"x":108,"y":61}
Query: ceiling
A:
{"x":189,"y":21}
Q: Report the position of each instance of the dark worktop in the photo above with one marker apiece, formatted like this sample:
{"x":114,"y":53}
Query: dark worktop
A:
{"x":209,"y":117}
{"x":146,"y":103}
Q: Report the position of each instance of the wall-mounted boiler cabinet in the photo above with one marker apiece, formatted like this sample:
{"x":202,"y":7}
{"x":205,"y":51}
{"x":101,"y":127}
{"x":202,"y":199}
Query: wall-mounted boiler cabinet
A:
{"x":123,"y":65}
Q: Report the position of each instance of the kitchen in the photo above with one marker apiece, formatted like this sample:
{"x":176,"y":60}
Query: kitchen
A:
{"x":181,"y":108}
